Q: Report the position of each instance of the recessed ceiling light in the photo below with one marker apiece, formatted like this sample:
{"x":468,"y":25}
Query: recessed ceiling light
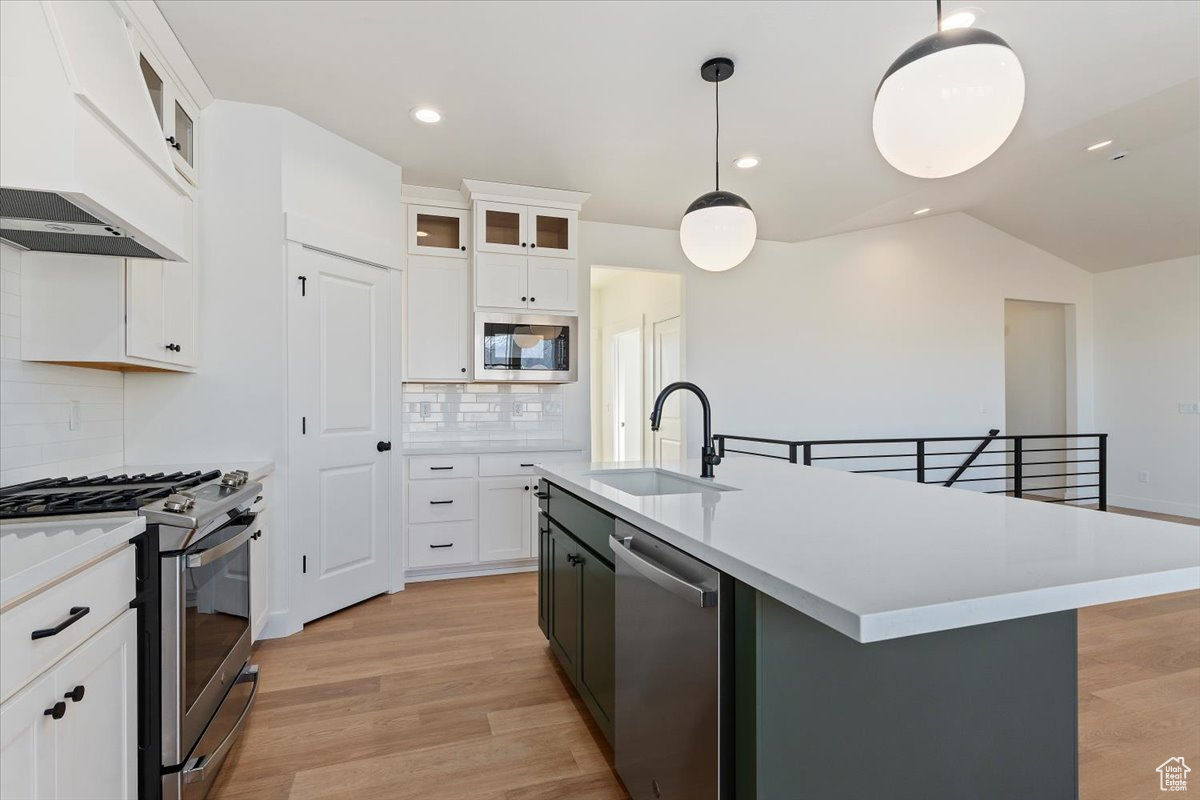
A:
{"x":427,"y":115}
{"x":921,"y":211}
{"x":422,"y":234}
{"x":959,"y":19}
{"x":1098,"y":145}
{"x":746,"y":162}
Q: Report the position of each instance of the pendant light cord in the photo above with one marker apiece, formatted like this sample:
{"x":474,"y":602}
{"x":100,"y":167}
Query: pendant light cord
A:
{"x":939,"y":15}
{"x":717,"y":142}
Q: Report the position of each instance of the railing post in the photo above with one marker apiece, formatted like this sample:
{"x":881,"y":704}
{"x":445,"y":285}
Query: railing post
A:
{"x":1103,"y":465}
{"x":792,"y":452}
{"x":920,"y":460}
{"x":1017,"y":448}
{"x":808,"y":454}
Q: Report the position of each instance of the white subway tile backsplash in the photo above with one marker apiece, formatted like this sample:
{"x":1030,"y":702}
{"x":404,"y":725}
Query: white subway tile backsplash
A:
{"x":35,"y":403}
{"x":482,"y":412}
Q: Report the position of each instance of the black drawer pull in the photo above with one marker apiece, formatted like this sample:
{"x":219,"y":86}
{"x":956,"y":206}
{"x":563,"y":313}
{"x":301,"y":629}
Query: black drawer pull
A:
{"x":76,"y":694}
{"x":440,"y":502}
{"x":440,"y":546}
{"x":542,"y":495}
{"x":439,"y":469}
{"x":56,"y":711}
{"x":574,"y":559}
{"x":76,"y":613}
{"x":527,"y":465}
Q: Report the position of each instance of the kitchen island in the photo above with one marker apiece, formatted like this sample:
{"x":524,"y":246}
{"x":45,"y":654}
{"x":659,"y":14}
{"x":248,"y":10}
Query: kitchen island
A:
{"x":887,"y":638}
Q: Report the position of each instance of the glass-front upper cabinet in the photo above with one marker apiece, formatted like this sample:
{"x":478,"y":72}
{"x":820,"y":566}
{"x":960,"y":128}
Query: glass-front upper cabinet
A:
{"x":434,"y":231}
{"x":501,"y":228}
{"x":552,"y":232}
{"x":175,"y":112}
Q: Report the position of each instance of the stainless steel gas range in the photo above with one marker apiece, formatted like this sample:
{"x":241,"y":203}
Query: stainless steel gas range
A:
{"x":195,"y":683}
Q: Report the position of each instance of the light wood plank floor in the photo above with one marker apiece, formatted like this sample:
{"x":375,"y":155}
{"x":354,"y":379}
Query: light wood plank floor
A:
{"x":448,"y":690}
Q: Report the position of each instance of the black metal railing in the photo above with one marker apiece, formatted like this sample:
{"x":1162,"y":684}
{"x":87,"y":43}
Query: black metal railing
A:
{"x":1052,"y":467}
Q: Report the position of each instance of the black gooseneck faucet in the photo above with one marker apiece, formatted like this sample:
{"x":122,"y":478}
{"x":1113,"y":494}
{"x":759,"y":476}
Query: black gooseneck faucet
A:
{"x":708,"y":453}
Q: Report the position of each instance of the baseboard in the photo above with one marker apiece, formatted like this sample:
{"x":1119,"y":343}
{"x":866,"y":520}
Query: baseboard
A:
{"x":1157,"y":506}
{"x":278,"y":625}
{"x":471,"y":571}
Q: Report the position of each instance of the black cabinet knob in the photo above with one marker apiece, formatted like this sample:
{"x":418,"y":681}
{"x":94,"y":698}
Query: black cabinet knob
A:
{"x":463,"y":248}
{"x":527,"y":488}
{"x":383,"y":447}
{"x":523,"y":299}
{"x":56,"y":711}
{"x":524,"y":245}
{"x":464,"y":369}
{"x":533,"y":299}
{"x":533,"y":244}
{"x":75,"y":695}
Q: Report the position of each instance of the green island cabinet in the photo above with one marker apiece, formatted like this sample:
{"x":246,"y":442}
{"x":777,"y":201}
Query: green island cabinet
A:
{"x":576,"y":595}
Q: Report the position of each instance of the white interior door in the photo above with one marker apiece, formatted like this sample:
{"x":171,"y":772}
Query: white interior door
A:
{"x":338,"y":413}
{"x":627,"y":400}
{"x":668,"y":368}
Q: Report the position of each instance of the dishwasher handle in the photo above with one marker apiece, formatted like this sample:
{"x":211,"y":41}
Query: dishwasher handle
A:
{"x":696,"y":595}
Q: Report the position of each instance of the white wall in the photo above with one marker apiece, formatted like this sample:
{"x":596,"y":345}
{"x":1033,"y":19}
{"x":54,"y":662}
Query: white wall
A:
{"x":893,"y":331}
{"x":258,"y":163}
{"x":1147,"y":363}
{"x":36,"y":439}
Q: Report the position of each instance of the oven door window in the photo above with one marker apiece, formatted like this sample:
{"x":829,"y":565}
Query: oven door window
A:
{"x":526,"y":347}
{"x":216,"y":609}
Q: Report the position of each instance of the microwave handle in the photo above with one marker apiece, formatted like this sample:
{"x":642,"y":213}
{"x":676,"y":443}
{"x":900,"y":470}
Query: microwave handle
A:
{"x":213,"y":553}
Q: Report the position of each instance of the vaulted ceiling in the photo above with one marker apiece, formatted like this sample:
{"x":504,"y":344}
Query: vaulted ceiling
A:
{"x":606,"y":97}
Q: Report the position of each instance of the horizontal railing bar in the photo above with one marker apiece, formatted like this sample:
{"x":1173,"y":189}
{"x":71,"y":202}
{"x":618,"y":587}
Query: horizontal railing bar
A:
{"x":1043,"y":489}
{"x":916,"y":439}
{"x":1055,"y":449}
{"x":1067,"y":499}
{"x":1027,"y":477}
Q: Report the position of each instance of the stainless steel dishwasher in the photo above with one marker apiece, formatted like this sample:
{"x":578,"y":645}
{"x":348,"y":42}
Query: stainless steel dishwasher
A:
{"x":673,"y":676}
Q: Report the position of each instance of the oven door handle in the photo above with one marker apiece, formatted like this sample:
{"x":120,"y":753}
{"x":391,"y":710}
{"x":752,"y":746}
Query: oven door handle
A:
{"x":213,"y":553}
{"x":194,"y":770}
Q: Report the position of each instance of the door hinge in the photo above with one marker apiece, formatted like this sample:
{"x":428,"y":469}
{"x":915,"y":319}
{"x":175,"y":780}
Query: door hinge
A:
{"x":303,"y":426}
{"x":304,"y":564}
{"x":303,"y":285}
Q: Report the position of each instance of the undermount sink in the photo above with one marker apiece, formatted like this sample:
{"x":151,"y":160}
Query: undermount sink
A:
{"x":647,"y":482}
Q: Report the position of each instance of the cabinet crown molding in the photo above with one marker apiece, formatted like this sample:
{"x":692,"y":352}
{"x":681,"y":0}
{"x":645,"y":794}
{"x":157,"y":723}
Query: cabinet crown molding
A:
{"x":525,"y":195}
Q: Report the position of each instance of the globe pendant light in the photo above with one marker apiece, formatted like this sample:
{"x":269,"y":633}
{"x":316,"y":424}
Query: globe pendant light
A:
{"x":718,"y":228}
{"x":948,"y":102}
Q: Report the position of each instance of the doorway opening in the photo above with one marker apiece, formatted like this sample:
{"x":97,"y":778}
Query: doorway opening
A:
{"x":637,"y":348}
{"x":1038,"y":370}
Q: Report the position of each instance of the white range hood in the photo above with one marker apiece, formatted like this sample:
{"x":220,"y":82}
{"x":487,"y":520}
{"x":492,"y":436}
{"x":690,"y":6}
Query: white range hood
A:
{"x":84,"y":167}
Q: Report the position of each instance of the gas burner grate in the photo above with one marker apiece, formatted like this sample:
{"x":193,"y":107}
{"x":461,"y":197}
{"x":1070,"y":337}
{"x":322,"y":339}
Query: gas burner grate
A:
{"x":94,"y":494}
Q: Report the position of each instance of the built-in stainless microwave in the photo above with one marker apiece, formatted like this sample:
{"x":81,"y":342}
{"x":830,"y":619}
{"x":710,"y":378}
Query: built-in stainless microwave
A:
{"x":525,"y":347}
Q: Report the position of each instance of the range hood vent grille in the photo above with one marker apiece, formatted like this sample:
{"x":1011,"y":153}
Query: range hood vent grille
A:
{"x":24,"y":204}
{"x":81,"y":244}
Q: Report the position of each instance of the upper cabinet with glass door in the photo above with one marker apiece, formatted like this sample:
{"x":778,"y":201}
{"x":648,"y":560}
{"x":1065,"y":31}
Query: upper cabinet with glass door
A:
{"x":525,"y":230}
{"x":176,"y":113}
{"x":435,"y":231}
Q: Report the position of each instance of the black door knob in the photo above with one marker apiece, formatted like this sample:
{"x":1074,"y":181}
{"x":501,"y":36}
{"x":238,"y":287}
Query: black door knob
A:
{"x":383,"y":447}
{"x":75,"y":695}
{"x":56,"y":711}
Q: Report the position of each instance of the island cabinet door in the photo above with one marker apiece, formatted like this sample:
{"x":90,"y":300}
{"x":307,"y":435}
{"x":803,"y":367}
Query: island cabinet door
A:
{"x":564,"y":599}
{"x":597,"y":634}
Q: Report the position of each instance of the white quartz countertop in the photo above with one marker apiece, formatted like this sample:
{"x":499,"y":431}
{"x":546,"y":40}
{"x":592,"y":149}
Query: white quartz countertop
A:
{"x":257,"y":469}
{"x":36,"y":553}
{"x":467,"y":448}
{"x":878,"y":558}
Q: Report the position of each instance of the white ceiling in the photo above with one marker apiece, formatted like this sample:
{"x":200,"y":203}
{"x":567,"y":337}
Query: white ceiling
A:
{"x":606,"y":97}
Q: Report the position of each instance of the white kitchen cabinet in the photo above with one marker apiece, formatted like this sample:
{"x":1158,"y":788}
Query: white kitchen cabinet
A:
{"x":552,"y":232}
{"x":436,"y":231}
{"x":501,"y":228}
{"x":438,"y":320}
{"x":72,"y":732}
{"x":501,"y":280}
{"x":161,"y":317}
{"x":504,"y":530}
{"x":552,"y":284}
{"x":260,"y":561}
{"x":176,"y":112}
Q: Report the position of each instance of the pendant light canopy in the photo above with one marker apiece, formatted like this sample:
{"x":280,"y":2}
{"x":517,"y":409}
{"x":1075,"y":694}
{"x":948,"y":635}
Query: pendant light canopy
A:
{"x":948,"y":102}
{"x":718,"y":229}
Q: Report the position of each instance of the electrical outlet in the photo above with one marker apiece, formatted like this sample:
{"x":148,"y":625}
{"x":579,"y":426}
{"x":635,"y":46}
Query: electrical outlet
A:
{"x":73,"y":421}
{"x":1189,"y":408}
{"x":426,"y":409}
{"x":518,"y":408}
{"x":1143,"y":477}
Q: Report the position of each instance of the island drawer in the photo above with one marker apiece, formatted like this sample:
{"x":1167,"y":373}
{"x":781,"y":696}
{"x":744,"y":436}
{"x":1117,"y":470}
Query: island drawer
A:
{"x":62,"y":617}
{"x":441,"y":501}
{"x":585,"y":522}
{"x":421,"y":467}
